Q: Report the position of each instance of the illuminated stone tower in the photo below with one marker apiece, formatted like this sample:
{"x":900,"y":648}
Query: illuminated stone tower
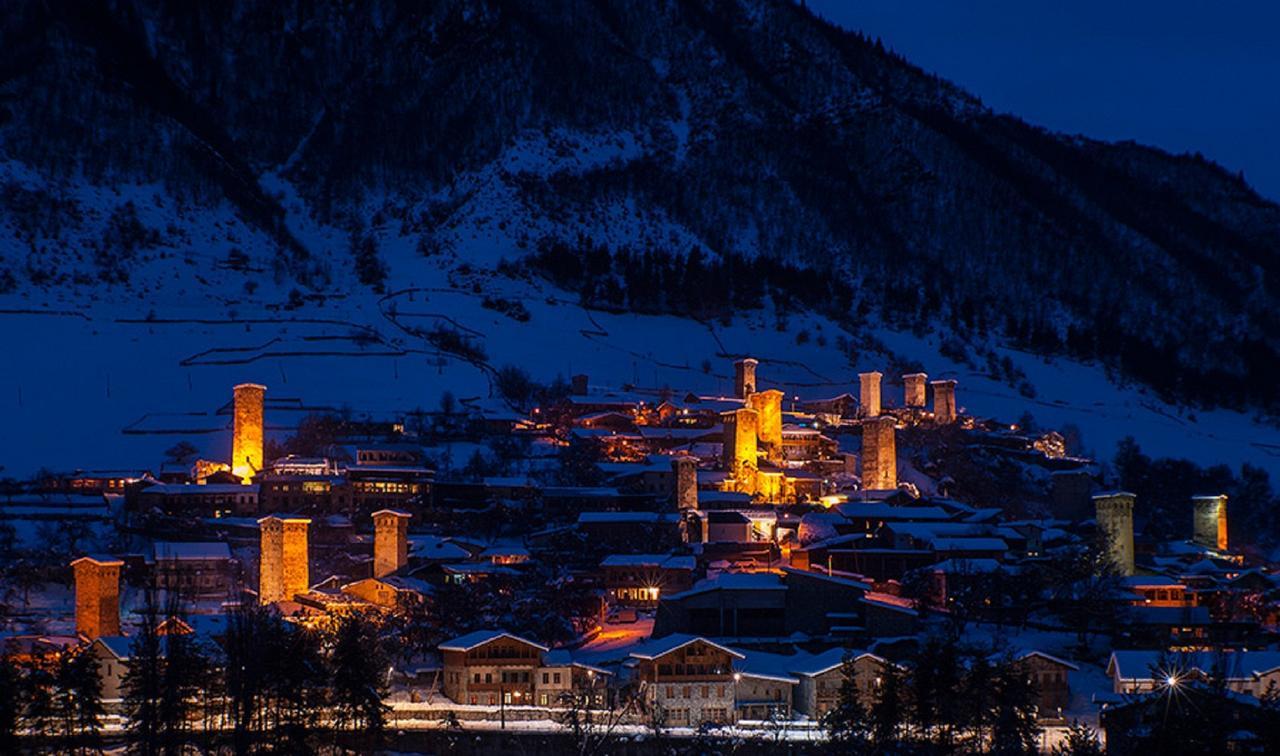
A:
{"x":1210,"y":525}
{"x":283,"y":570}
{"x":768,"y":407}
{"x":879,"y":454}
{"x":913,"y":386}
{"x":744,"y":377}
{"x":685,"y":473}
{"x":740,"y":447}
{"x":97,"y":596}
{"x":390,"y":541}
{"x":1114,"y":512}
{"x":944,"y":401}
{"x":869,"y":393}
{"x":246,"y":439}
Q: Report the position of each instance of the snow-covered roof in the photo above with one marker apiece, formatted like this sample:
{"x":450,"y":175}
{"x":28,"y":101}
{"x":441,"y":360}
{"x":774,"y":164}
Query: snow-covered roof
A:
{"x":176,"y":551}
{"x":664,"y":561}
{"x":735,"y":581}
{"x":208,"y":489}
{"x":968,"y":544}
{"x":664,"y":646}
{"x":436,"y":549}
{"x":624,"y":517}
{"x":478,"y":638}
{"x":1234,"y":665}
{"x":880,"y":510}
{"x":118,"y":645}
{"x":980,"y":566}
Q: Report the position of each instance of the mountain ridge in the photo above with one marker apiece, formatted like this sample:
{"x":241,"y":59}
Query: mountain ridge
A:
{"x":748,"y":128}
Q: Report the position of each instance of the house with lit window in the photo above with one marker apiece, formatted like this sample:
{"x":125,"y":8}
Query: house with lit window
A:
{"x":639,"y":580}
{"x":1052,"y":678}
{"x":1249,"y":672}
{"x":821,"y":675}
{"x":688,"y":678}
{"x":210,"y":500}
{"x":491,"y":667}
{"x":193,"y":570}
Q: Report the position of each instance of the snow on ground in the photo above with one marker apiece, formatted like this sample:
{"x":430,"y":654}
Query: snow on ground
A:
{"x":160,"y":352}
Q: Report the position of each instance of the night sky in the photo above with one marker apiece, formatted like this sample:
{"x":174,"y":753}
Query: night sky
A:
{"x":1184,"y":75}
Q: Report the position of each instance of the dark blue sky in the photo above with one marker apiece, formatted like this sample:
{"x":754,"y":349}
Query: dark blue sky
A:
{"x":1184,"y":75}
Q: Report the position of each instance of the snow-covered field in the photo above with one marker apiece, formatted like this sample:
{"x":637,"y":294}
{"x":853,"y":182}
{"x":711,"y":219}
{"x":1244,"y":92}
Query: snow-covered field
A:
{"x":87,"y":361}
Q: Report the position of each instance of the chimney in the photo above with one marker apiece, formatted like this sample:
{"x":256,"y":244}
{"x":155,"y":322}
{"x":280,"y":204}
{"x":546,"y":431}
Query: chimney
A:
{"x":944,"y":401}
{"x":744,"y":377}
{"x":97,"y":596}
{"x":1209,"y":526}
{"x":390,"y":541}
{"x":879,"y":454}
{"x":1114,"y":512}
{"x":246,"y":438}
{"x":869,"y":393}
{"x":283,"y":569}
{"x":685,"y":472}
{"x":578,"y":385}
{"x":768,"y":407}
{"x":913,"y":385}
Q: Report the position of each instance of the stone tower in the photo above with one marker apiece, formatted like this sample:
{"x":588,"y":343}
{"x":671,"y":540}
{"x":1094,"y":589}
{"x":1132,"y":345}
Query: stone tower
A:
{"x":685,"y":473}
{"x":246,"y":438}
{"x":869,"y":393}
{"x":744,"y":377}
{"x":768,"y":407}
{"x":879,"y":454}
{"x":944,"y":401}
{"x":283,"y":569}
{"x":1210,"y":523}
{"x":97,"y":596}
{"x":913,"y":386}
{"x":739,"y":451}
{"x":390,"y":541}
{"x":1114,"y":512}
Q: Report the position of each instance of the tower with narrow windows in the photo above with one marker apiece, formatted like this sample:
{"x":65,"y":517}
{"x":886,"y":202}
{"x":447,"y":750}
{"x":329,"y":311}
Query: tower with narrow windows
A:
{"x":739,"y":453}
{"x":768,"y":407}
{"x":944,"y":401}
{"x":247,"y":430}
{"x":869,"y":393}
{"x":914,"y":390}
{"x":1210,"y":521}
{"x":97,"y":596}
{"x":1114,"y":512}
{"x":744,"y":377}
{"x":283,"y":566}
{"x":879,"y":454}
{"x":390,"y":541}
{"x":685,"y":473}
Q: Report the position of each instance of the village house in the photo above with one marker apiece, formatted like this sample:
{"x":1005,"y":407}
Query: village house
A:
{"x":487,"y":667}
{"x":1251,"y":673}
{"x":199,"y":501}
{"x":1052,"y":678}
{"x":639,"y":580}
{"x":690,"y":679}
{"x":821,"y":675}
{"x":194,"y":570}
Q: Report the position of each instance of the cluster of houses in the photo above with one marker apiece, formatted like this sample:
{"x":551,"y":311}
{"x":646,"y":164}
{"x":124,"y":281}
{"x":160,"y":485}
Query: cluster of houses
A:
{"x":745,"y":546}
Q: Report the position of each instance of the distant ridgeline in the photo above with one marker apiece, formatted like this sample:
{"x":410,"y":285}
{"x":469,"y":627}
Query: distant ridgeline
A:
{"x":806,"y":160}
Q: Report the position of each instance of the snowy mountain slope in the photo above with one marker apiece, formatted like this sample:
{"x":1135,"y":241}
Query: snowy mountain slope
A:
{"x":96,"y":386}
{"x":175,"y":181}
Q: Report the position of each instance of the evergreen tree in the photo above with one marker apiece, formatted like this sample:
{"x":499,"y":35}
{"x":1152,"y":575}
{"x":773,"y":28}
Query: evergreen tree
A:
{"x":250,"y":651}
{"x":11,"y":701}
{"x":846,"y":723}
{"x":1014,"y":729}
{"x":358,"y":664}
{"x":143,"y":685}
{"x":888,"y":711}
{"x":39,"y":715}
{"x":1080,"y":740}
{"x":78,"y":699}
